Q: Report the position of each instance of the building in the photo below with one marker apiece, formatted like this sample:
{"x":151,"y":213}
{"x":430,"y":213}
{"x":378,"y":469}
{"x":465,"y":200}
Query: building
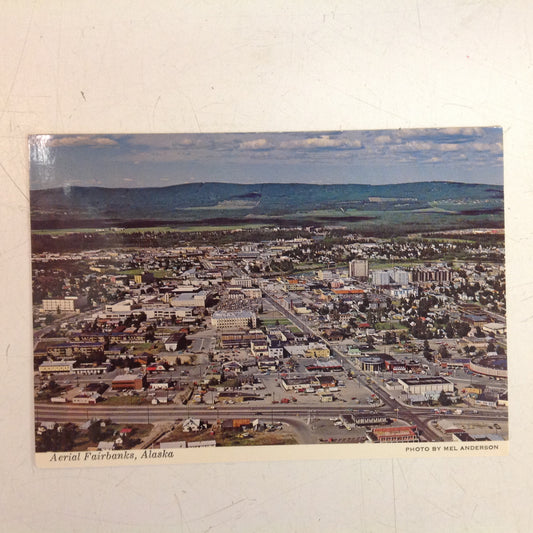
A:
{"x":331,"y":365}
{"x":275,"y":349}
{"x":233,"y":319}
{"x":239,"y":339}
{"x":371,"y":364}
{"x":268,"y":364}
{"x":176,"y":341}
{"x":381,"y":277}
{"x":72,"y":349}
{"x":86,"y":398}
{"x":55,"y":367}
{"x":296,"y":382}
{"x":424,"y":385}
{"x":259,"y":348}
{"x":89,"y":370}
{"x":69,"y":304}
{"x":400,"y":277}
{"x":252,"y":293}
{"x":395,"y":434}
{"x":358,"y":268}
{"x":316,"y":349}
{"x":242,"y":282}
{"x":439,"y":274}
{"x":494,"y":328}
{"x":190,"y":299}
{"x":128,"y":381}
{"x":325,"y":381}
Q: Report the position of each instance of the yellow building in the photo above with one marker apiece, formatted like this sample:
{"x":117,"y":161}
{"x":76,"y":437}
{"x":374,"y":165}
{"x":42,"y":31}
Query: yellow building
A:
{"x":317,"y":350}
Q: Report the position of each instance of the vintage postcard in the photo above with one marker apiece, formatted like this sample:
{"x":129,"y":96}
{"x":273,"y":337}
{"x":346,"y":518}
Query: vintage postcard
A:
{"x":241,"y":296}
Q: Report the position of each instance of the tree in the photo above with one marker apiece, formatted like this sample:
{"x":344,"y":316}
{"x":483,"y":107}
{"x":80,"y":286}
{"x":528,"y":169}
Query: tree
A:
{"x":450,"y":331}
{"x":427,"y":351}
{"x":444,"y":353}
{"x":479,"y":333}
{"x":443,"y":399}
{"x":423,"y":307}
{"x":462,"y":329}
{"x":94,"y":432}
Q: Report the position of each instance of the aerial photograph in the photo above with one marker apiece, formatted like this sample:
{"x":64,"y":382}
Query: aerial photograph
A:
{"x":266,"y":289}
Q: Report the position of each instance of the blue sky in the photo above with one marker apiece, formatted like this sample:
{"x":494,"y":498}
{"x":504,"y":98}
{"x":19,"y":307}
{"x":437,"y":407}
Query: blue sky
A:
{"x":472,"y":155}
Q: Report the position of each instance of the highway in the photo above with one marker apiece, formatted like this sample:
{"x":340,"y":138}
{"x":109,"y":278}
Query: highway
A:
{"x":147,"y":414}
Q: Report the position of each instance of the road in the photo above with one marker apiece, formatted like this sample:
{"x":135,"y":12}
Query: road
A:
{"x":164,"y":413}
{"x":414,"y":416}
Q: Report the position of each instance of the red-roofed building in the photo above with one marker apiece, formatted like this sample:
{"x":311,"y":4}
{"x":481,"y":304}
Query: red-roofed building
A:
{"x":395,"y":434}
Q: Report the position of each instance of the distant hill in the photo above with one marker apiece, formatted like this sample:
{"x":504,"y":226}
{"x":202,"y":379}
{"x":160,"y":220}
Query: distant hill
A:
{"x":199,"y":202}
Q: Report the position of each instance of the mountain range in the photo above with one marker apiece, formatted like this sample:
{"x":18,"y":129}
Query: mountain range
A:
{"x":71,"y":207}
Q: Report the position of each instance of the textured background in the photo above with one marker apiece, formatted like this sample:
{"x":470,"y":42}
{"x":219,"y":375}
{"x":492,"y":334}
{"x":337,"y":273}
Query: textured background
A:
{"x":123,"y":66}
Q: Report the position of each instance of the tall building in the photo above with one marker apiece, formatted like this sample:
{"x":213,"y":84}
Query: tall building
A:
{"x":401,"y":277}
{"x":358,"y":268}
{"x":381,"y":277}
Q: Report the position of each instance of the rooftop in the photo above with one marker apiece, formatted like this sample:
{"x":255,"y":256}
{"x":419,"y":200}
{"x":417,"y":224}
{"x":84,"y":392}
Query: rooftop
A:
{"x":437,"y":380}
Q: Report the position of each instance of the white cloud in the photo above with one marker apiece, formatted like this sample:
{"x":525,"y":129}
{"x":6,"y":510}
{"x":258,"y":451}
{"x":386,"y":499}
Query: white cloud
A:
{"x":466,"y":132}
{"x":324,"y":141}
{"x":488,"y":147}
{"x":256,"y":144}
{"x":413,"y":146}
{"x":383,"y":139}
{"x":448,"y":147}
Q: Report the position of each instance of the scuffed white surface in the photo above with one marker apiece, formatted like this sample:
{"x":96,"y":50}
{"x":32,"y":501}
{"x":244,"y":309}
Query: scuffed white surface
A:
{"x":89,"y":67}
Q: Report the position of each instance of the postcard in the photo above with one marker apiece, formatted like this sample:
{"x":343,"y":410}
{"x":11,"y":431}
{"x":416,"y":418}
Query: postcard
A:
{"x":242,"y":296}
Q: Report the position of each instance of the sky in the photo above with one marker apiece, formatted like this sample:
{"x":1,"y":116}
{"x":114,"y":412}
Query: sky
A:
{"x":471,"y":155}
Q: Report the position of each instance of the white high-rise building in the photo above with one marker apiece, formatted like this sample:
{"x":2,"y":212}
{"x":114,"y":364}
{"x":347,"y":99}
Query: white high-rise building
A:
{"x":381,"y":277}
{"x":401,"y":277}
{"x":358,"y":268}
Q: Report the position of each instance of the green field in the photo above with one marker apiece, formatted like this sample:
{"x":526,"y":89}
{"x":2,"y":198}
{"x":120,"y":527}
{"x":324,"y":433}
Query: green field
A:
{"x":389,"y":325}
{"x":275,"y":321}
{"x":159,"y":274}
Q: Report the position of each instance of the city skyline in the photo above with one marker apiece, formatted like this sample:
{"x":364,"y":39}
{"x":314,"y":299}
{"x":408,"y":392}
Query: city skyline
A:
{"x":470,"y":155}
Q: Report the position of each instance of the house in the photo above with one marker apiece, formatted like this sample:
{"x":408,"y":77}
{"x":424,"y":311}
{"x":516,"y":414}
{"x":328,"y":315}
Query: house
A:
{"x":86,"y":398}
{"x":232,"y":366}
{"x":191,"y":424}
